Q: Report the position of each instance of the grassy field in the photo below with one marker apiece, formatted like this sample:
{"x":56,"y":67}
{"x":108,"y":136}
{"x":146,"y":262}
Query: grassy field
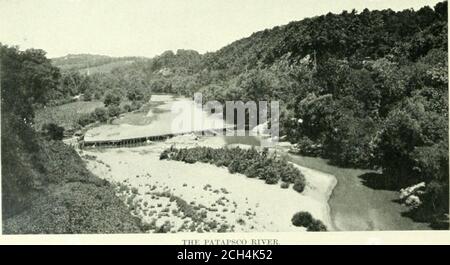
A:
{"x":140,"y":117}
{"x":65,"y":115}
{"x":105,"y":68}
{"x":357,"y":204}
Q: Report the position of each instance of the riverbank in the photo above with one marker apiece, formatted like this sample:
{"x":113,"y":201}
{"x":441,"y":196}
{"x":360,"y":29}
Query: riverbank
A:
{"x":355,"y":206}
{"x":340,"y":197}
{"x":179,"y":197}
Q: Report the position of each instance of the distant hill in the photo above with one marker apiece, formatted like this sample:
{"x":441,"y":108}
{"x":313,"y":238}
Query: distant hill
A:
{"x":349,"y":35}
{"x":92,"y":63}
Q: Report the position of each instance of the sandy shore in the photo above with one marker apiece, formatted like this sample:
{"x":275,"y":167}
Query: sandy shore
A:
{"x":173,"y":196}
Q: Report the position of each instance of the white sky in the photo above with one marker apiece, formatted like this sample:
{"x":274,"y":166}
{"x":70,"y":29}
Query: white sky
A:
{"x":149,"y":27}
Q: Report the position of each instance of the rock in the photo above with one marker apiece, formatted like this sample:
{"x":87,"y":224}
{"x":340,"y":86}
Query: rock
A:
{"x":410,"y":195}
{"x":413,"y":201}
{"x":412,"y":190}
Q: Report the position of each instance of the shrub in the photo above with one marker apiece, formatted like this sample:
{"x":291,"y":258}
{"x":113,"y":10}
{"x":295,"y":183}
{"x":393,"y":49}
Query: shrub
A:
{"x":127,"y":108}
{"x":284,"y":185}
{"x":251,"y":163}
{"x":135,"y":105}
{"x":234,"y":166}
{"x":164,"y":155}
{"x":113,"y":111}
{"x":299,"y":184}
{"x":53,"y":131}
{"x":100,"y":114}
{"x":86,"y":119}
{"x":305,"y":219}
{"x":316,"y":226}
{"x":306,"y":146}
{"x":87,"y":96}
{"x":302,"y":219}
{"x":112,"y":98}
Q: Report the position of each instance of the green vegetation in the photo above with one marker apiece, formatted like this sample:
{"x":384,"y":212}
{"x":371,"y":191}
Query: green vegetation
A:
{"x":101,"y":85}
{"x":305,"y":219}
{"x":366,"y":90}
{"x":95,"y":63}
{"x":75,"y":115}
{"x":53,"y":131}
{"x":66,"y":116}
{"x":373,"y":203}
{"x":251,"y":163}
{"x":45,"y":185}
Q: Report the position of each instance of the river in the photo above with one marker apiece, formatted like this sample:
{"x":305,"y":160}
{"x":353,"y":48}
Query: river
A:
{"x":355,"y":205}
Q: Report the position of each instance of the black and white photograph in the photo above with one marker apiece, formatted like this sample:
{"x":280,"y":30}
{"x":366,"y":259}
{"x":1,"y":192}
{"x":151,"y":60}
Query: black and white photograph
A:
{"x":223,"y":116}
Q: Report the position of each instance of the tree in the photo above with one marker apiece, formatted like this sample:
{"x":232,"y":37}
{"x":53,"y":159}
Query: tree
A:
{"x":299,"y":184}
{"x":28,"y":79}
{"x":400,"y":133}
{"x":135,"y":94}
{"x":113,"y":111}
{"x":112,"y":98}
{"x":100,"y":114}
{"x":53,"y":131}
{"x":87,"y":96}
{"x":85,"y":119}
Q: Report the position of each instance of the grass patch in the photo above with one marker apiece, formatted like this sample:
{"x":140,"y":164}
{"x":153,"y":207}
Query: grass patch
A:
{"x":65,"y":115}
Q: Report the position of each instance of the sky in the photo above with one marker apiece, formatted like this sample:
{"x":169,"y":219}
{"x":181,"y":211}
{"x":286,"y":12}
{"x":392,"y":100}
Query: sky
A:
{"x":150,"y":27}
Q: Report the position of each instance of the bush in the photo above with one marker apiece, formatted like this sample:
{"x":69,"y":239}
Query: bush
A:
{"x":53,"y":131}
{"x":316,"y":225}
{"x":113,"y":111}
{"x":299,"y":184}
{"x":250,"y":162}
{"x":302,"y":219}
{"x":48,"y":189}
{"x":100,"y":114}
{"x":305,"y":219}
{"x":86,"y":119}
{"x":127,"y":108}
{"x":112,"y":98}
{"x":87,"y":96}
{"x":284,"y":185}
{"x":306,"y":146}
{"x":135,"y":105}
{"x":164,"y":155}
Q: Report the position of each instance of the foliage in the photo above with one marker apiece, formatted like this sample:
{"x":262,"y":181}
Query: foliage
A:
{"x":305,"y":219}
{"x":251,"y":163}
{"x":46,"y":187}
{"x":114,"y":110}
{"x":100,"y":114}
{"x":28,"y":79}
{"x":112,"y":99}
{"x":53,"y":131}
{"x":363,"y":89}
{"x":66,"y":115}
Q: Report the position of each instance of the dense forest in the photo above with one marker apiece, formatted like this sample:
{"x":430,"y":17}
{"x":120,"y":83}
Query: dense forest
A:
{"x":363,"y":89}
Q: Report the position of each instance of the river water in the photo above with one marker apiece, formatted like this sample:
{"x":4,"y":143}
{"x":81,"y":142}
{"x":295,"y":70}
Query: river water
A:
{"x":355,"y":206}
